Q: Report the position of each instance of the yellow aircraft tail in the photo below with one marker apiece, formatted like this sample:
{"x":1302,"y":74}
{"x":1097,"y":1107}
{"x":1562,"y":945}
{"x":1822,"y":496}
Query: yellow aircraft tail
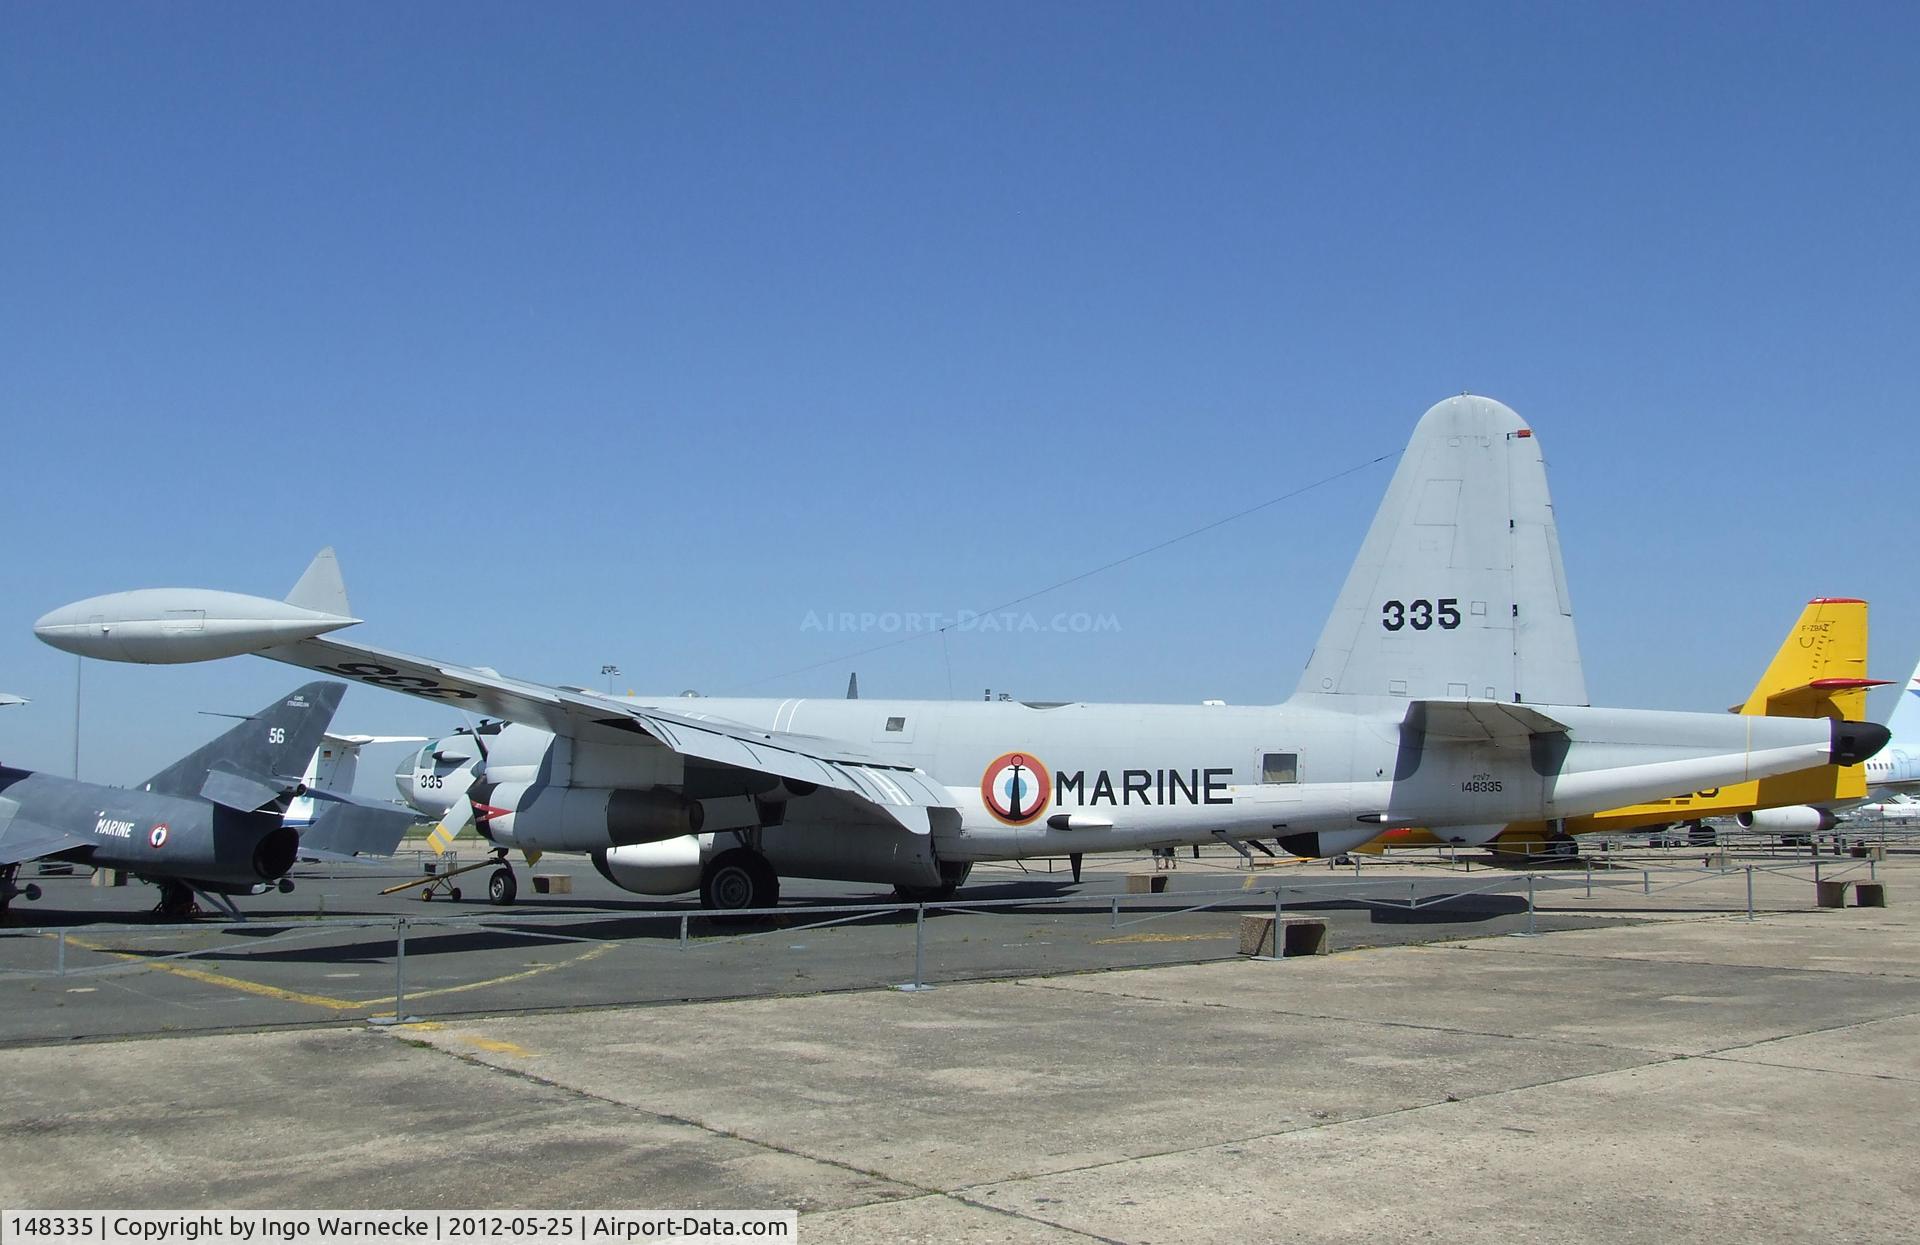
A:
{"x":1820,"y":672}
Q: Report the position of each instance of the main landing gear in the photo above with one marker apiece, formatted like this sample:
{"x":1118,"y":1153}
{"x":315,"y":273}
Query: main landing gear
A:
{"x":502,"y":885}
{"x":177,"y":901}
{"x":953,"y":875}
{"x":1562,"y":846}
{"x":737,"y":880}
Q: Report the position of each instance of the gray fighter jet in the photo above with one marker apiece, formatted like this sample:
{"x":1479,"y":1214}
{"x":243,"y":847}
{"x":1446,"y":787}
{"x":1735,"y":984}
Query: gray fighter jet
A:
{"x":1446,"y":692}
{"x":211,"y":825}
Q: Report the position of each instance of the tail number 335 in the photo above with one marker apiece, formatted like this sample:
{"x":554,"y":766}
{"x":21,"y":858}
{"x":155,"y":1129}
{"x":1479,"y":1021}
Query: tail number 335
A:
{"x":1421,"y":615}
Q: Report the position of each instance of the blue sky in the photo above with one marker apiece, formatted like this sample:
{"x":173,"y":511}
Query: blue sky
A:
{"x":636,"y":334}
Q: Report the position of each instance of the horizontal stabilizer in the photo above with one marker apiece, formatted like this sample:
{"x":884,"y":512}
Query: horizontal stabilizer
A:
{"x":1813,"y":699}
{"x":1480,"y":721}
{"x":235,"y":788}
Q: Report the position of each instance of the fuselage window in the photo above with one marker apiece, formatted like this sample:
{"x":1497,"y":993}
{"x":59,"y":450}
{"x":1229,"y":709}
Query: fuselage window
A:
{"x":1276,"y":767}
{"x":896,"y":724}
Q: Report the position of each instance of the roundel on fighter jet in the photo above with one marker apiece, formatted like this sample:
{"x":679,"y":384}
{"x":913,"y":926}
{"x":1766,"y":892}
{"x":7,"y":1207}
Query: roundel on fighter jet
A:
{"x":1016,"y":788}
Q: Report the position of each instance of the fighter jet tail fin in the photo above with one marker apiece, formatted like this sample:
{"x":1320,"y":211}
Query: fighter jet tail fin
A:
{"x":276,"y":741}
{"x":321,"y":588}
{"x":1458,"y":592}
{"x":1820,"y":669}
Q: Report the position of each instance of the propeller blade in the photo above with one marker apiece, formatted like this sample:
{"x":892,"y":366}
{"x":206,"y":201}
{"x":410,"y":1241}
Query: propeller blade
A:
{"x":458,"y":820}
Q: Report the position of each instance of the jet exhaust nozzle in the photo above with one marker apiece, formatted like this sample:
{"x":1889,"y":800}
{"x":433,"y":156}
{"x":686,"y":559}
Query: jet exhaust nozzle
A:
{"x":1854,"y":742}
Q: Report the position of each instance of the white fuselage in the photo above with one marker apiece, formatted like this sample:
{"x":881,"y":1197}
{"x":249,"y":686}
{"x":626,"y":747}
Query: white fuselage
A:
{"x":1056,"y":779}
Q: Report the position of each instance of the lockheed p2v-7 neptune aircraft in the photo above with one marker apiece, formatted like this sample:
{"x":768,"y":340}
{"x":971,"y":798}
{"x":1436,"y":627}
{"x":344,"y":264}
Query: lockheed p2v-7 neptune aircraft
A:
{"x":1445,"y":691}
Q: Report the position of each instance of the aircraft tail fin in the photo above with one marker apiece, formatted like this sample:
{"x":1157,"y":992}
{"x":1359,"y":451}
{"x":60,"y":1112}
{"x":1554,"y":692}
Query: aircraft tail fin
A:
{"x":1458,"y":592}
{"x":276,"y":742}
{"x":1905,"y":722}
{"x":1820,"y":669}
{"x":321,"y":588}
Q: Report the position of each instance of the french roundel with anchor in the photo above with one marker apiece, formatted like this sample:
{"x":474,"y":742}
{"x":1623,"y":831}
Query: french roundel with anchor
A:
{"x":158,"y":835}
{"x":1016,"y":788}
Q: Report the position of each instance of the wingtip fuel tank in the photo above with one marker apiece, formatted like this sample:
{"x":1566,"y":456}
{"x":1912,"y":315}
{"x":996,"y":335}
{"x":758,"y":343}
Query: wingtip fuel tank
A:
{"x":161,"y":626}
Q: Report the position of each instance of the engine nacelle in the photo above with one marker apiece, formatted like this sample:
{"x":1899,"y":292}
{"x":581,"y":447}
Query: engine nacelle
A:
{"x":666,"y":867}
{"x":540,"y":817}
{"x":1800,"y":819}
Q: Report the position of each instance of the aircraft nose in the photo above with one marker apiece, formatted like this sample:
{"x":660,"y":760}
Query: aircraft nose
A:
{"x":1854,"y":742}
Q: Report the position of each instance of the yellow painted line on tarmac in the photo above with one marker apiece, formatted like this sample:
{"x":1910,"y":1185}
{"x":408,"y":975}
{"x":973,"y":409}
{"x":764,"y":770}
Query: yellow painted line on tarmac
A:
{"x":1165,"y":938}
{"x":213,"y":978}
{"x":495,"y":1046}
{"x":592,"y":953}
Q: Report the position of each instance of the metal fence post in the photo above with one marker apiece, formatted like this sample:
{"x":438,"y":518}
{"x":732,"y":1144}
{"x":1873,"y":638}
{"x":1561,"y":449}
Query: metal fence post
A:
{"x":1530,"y":928}
{"x":60,"y":956}
{"x":399,"y":968}
{"x":1113,"y":919}
{"x":1816,"y":872}
{"x":919,"y":946}
{"x":1646,"y":882}
{"x":683,"y":931}
{"x":1589,"y":879}
{"x":1749,"y":892}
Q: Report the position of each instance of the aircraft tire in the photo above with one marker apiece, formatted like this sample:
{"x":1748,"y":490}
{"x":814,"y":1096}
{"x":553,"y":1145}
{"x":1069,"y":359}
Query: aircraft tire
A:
{"x":1563,"y":847}
{"x":738,"y":879}
{"x":502,"y":886}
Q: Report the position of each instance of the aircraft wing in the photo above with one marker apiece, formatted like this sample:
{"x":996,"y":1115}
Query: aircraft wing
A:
{"x":22,"y":840}
{"x":1480,"y":721}
{"x":901,"y":791}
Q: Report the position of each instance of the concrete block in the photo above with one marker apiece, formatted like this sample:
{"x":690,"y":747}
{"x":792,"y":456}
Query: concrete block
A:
{"x":1146,"y":883}
{"x":1870,"y":894}
{"x":553,"y":883}
{"x":1830,"y":894}
{"x":1299,"y":935}
{"x":109,"y":877}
